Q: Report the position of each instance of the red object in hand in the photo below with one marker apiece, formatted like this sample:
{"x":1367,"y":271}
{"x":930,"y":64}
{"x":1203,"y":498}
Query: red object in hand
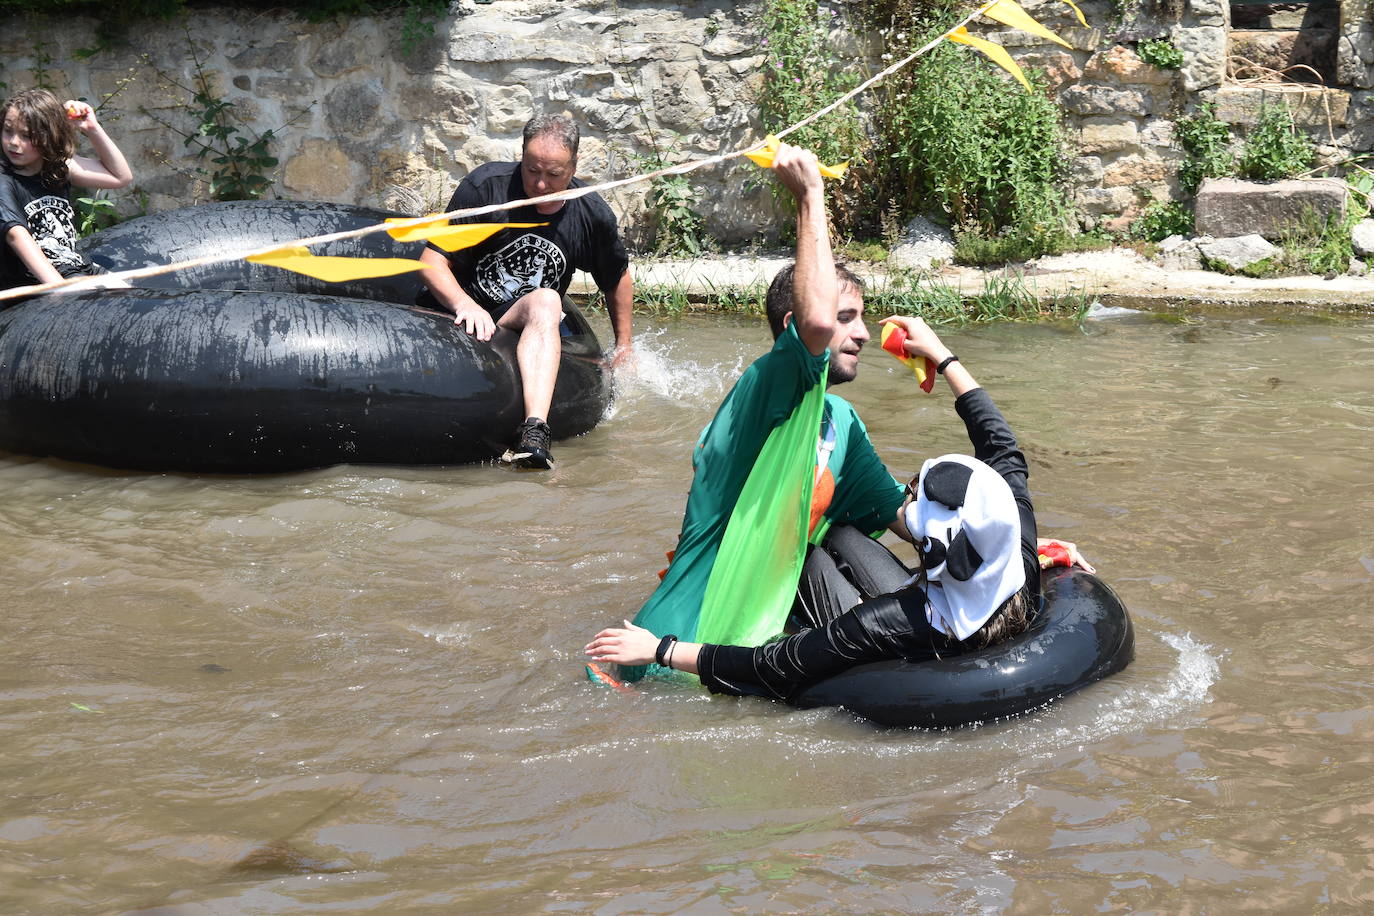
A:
{"x":74,"y":113}
{"x":894,"y":342}
{"x":1054,"y":554}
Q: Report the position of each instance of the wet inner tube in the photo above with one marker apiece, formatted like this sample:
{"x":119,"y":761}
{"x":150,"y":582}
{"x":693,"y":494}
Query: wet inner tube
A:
{"x":239,"y":367}
{"x":1081,"y":634}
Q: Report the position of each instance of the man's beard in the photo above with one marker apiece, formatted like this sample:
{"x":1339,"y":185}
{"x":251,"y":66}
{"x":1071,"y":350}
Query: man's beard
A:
{"x":838,"y":376}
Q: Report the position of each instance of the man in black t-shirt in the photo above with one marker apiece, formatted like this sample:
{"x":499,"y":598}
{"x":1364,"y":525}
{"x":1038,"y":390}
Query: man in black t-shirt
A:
{"x":516,"y":278}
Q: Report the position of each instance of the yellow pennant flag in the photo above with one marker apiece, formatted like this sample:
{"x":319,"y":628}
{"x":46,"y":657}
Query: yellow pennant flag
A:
{"x":1077,"y":12}
{"x":995,"y":52}
{"x":763,"y":157}
{"x":297,"y":258}
{"x":1008,"y":13}
{"x":452,"y":238}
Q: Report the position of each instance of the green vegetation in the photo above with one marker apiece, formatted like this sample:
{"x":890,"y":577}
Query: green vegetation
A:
{"x":678,"y":229}
{"x":1274,"y":148}
{"x":94,"y":213}
{"x":236,"y":159}
{"x":1000,"y":299}
{"x":956,"y":139}
{"x":1160,"y":53}
{"x":802,"y":74}
{"x":1206,"y":142}
{"x":1161,"y":219}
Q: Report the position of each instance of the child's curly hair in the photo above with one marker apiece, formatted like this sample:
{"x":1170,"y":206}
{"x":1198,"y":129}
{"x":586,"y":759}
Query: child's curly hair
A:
{"x":51,"y":133}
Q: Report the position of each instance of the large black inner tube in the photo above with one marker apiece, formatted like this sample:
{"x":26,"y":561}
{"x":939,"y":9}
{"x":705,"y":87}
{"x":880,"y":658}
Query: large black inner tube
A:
{"x":257,"y":369}
{"x":1081,"y":634}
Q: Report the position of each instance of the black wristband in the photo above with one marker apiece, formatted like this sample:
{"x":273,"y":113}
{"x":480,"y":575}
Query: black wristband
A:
{"x":944,"y":364}
{"x":663,"y":645}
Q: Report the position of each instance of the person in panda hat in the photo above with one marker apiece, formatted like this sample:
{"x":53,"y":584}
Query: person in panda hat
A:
{"x":976,"y":582}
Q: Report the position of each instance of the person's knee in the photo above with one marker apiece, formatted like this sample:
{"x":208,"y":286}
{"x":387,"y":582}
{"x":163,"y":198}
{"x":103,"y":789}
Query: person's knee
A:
{"x":544,"y":306}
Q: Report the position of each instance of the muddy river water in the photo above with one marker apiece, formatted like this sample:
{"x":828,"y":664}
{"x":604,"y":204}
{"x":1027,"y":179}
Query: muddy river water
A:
{"x":359,"y":689}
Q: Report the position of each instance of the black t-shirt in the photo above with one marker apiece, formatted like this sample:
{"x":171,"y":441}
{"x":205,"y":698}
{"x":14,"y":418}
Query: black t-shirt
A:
{"x":48,"y":215}
{"x":582,"y":235}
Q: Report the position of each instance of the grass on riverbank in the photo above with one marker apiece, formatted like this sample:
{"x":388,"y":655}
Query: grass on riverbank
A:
{"x":1001,"y":299}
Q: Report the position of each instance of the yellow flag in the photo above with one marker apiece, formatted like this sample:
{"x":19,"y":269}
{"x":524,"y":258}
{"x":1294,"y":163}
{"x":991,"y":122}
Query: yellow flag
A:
{"x":995,"y":52}
{"x":763,"y":157}
{"x":1078,"y":12}
{"x":452,"y":238}
{"x":297,"y":258}
{"x":1008,"y":13}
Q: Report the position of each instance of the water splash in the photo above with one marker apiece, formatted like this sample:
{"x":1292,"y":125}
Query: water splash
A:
{"x":662,"y":372}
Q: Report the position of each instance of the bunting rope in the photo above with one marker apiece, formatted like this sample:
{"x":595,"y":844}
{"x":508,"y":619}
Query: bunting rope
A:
{"x":1004,"y":11}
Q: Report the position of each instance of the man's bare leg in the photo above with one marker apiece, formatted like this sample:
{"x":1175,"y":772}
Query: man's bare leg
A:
{"x":536,"y":316}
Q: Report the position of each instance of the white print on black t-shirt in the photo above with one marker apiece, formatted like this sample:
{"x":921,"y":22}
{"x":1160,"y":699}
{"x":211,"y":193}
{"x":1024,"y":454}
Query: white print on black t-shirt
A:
{"x":526,"y":264}
{"x":52,"y":221}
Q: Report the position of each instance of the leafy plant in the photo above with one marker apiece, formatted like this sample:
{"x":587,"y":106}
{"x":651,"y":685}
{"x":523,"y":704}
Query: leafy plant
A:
{"x":1274,"y":148}
{"x":1000,"y":299}
{"x":679,"y":229}
{"x":236,"y":158}
{"x":958,"y":137}
{"x":1206,"y":142}
{"x":1161,"y":219}
{"x":1161,"y":53}
{"x":802,"y":74}
{"x":94,"y":213}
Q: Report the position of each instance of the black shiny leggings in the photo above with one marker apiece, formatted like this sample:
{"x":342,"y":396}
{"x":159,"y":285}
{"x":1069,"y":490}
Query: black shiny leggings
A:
{"x":847,"y":567}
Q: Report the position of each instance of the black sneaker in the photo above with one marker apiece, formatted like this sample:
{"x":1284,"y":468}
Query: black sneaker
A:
{"x":531,"y":451}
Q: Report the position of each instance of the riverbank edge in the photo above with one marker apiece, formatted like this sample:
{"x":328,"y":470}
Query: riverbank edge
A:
{"x":1118,"y":277}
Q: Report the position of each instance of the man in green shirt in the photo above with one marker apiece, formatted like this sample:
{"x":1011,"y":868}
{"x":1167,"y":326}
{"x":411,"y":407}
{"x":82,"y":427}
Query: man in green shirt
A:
{"x":765,"y":483}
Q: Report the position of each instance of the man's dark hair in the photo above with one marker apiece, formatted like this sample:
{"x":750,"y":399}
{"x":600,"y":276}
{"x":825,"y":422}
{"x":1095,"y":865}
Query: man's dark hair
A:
{"x":780,"y":301}
{"x":561,"y":127}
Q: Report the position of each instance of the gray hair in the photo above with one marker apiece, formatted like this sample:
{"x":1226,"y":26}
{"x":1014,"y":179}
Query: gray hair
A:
{"x":561,"y":127}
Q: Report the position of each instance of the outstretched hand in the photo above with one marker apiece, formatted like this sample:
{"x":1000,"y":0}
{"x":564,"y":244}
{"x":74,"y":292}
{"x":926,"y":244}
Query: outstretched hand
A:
{"x":628,"y":645}
{"x":921,"y":339}
{"x":1075,"y":558}
{"x":798,"y":169}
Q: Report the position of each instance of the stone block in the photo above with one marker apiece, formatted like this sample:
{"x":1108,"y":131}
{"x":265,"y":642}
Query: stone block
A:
{"x":1204,"y":56}
{"x":1214,"y":13}
{"x":1227,"y":207}
{"x":1136,"y":171}
{"x":1100,"y":201}
{"x":1120,"y":64}
{"x":1103,"y":100}
{"x":343,"y":55}
{"x":1059,"y":66}
{"x":1264,"y":51}
{"x":320,"y":170}
{"x":352,"y":109}
{"x":1086,"y":170}
{"x":508,"y":42}
{"x":679,"y":98}
{"x":1362,"y":238}
{"x":1100,"y":136}
{"x":921,"y":244}
{"x":507,"y":108}
{"x":1311,"y":106}
{"x":1238,"y":252}
{"x":1178,"y":253}
{"x":277,"y":56}
{"x":300,"y":90}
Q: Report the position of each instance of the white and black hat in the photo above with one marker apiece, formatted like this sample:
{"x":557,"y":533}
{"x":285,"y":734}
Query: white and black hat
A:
{"x":966,"y":522}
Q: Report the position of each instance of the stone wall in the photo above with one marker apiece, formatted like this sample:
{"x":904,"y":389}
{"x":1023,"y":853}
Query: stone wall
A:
{"x":357,"y":119}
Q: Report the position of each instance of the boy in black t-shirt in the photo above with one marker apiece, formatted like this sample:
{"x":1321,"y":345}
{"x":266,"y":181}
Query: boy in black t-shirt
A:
{"x":36,"y":178}
{"x":516,"y":278}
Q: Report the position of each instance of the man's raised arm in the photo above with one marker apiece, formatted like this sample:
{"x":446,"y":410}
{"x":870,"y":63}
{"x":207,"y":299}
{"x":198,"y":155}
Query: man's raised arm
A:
{"x":815,"y":289}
